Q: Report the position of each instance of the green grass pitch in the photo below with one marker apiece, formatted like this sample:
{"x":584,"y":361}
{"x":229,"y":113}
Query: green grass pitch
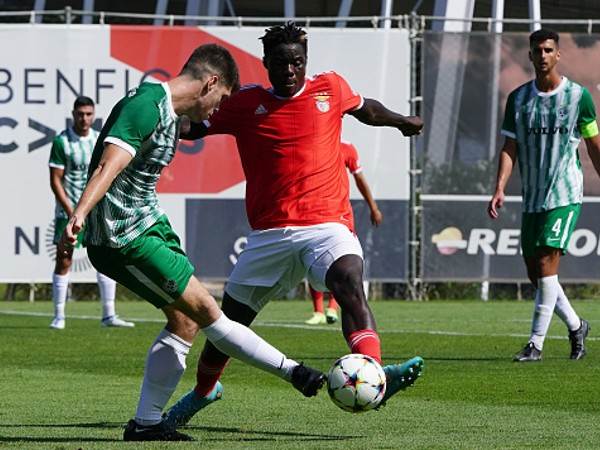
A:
{"x":76,"y":388}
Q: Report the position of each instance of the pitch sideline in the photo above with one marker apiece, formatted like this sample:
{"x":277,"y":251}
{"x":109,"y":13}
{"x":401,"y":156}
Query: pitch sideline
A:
{"x":273,"y":324}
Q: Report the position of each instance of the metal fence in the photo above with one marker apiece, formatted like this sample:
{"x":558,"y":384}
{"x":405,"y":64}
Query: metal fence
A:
{"x":459,"y":83}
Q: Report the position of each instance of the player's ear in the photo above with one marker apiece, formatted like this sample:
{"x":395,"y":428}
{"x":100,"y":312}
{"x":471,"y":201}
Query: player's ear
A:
{"x":212,"y":82}
{"x":530,"y":58}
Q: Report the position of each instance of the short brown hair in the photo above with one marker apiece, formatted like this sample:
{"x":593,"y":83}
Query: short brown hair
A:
{"x":215,"y":60}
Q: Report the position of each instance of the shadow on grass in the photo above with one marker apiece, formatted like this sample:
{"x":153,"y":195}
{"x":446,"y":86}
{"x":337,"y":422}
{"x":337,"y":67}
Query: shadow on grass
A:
{"x":28,"y":327}
{"x":106,"y":425}
{"x":64,"y":425}
{"x":249,"y":435}
{"x":271,"y":435}
{"x":467,"y":358}
{"x":55,"y":439}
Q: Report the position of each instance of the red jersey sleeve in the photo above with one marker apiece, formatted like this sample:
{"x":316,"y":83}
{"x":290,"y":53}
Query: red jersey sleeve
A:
{"x":351,"y":157}
{"x":350,"y":100}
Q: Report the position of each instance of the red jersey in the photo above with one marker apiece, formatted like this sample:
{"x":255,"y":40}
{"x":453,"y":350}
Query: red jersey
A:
{"x":350,"y":156}
{"x":290,"y":151}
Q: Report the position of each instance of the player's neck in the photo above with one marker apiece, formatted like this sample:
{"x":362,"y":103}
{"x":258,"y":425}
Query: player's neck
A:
{"x":183,"y":94}
{"x":81,"y":133}
{"x":547,"y":82}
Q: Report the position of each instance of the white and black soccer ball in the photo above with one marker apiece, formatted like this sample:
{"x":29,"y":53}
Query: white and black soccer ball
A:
{"x":356,"y":383}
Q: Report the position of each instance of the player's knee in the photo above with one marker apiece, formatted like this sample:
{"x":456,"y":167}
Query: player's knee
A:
{"x":180,"y":324}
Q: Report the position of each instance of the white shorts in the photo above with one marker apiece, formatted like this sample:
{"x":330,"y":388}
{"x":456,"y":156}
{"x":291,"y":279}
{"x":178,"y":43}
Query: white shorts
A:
{"x":276,"y":260}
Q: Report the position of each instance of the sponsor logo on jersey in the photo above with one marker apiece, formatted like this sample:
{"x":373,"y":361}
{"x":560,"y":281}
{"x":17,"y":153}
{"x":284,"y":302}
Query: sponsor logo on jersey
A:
{"x":322,"y":102}
{"x":547,"y":130}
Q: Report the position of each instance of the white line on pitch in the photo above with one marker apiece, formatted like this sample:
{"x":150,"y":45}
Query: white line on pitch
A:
{"x":300,"y":326}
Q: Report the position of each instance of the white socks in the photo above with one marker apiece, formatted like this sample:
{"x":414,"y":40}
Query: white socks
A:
{"x":107,"y":287}
{"x":60,"y":285}
{"x":565,"y":311}
{"x":545,"y":301}
{"x":165,"y":363}
{"x":164,"y":366}
{"x":238,"y":341}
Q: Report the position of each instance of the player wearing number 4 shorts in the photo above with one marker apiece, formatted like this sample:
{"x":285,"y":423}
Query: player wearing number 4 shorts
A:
{"x":543,"y":124}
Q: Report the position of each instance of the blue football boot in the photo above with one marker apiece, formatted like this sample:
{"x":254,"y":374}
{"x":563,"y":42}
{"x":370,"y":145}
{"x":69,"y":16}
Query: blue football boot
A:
{"x":187,"y":406}
{"x":400,"y":376}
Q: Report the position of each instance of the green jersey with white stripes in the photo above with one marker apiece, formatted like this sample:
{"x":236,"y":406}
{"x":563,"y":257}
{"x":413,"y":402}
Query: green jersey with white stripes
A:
{"x":548,"y":127}
{"x":144,"y":124}
{"x":72,"y":153}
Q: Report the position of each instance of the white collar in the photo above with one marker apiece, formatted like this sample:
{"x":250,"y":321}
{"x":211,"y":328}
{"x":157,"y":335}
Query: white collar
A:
{"x":561,"y":85}
{"x":167,"y":89}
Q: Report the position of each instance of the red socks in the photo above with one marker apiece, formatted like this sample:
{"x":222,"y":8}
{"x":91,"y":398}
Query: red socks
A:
{"x":207,"y":375}
{"x":365,"y":342}
{"x":317,"y":298}
{"x":332,"y":303}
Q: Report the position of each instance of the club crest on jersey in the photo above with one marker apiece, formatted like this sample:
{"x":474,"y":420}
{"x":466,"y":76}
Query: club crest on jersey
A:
{"x":322,"y":102}
{"x":562,"y":113}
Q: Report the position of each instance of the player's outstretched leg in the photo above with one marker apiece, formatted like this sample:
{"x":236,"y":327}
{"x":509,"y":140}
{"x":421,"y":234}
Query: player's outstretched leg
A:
{"x":162,"y":431}
{"x":187,"y":406}
{"x":401,"y":376}
{"x":307,"y":380}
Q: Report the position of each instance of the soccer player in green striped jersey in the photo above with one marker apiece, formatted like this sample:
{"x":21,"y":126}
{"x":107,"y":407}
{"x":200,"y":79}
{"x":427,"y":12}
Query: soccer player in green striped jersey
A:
{"x":544,"y":122}
{"x":129,"y":236}
{"x":69,"y":161}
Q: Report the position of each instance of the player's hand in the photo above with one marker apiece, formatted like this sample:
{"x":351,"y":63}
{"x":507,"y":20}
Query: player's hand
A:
{"x":68,"y":240}
{"x":413,"y":125}
{"x":376,"y":217}
{"x":495,"y":204}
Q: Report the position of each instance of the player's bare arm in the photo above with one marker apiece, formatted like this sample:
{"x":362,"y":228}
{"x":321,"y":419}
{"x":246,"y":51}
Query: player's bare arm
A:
{"x":56,"y":176}
{"x":374,"y":113}
{"x":593,"y":148}
{"x":363,"y":187}
{"x":114,"y":160}
{"x":506,"y":163}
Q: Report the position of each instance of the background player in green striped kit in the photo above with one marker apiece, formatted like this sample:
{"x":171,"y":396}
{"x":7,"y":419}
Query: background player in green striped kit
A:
{"x":543,"y":124}
{"x":130,"y":239}
{"x":69,"y":161}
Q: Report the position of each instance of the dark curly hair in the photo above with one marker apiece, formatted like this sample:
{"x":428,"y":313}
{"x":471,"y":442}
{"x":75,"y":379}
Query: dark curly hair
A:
{"x":289,"y":33}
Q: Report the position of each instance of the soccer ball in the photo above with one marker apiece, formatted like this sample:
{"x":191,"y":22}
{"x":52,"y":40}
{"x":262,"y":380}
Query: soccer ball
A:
{"x":356,"y":383}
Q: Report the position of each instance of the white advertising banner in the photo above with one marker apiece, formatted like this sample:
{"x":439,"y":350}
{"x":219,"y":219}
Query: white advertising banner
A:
{"x":44,"y":67}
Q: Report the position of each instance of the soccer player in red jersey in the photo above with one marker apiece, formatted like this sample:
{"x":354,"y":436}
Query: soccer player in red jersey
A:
{"x":352,"y":163}
{"x":297,"y":202}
